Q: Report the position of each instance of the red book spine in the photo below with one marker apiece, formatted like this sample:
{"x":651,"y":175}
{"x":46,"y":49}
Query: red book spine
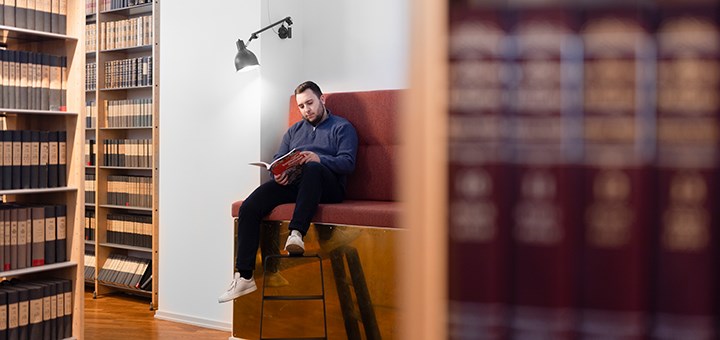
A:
{"x":546,"y":136}
{"x":478,"y":252}
{"x":688,"y":127}
{"x":618,"y":120}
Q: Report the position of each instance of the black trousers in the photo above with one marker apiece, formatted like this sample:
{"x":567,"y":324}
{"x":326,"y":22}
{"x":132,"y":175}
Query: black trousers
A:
{"x":316,"y":185}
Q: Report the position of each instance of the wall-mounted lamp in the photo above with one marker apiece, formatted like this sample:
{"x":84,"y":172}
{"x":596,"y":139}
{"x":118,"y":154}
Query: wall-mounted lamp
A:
{"x":245,"y":59}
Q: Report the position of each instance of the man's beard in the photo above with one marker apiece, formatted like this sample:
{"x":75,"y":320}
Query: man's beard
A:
{"x":318,"y":118}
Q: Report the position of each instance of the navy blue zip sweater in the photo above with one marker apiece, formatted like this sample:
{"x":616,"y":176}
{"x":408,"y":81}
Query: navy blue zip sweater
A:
{"x":334,"y":140}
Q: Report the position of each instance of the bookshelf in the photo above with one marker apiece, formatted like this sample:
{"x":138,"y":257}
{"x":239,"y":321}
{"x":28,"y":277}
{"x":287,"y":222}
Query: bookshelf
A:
{"x":123,"y":126}
{"x":63,"y":39}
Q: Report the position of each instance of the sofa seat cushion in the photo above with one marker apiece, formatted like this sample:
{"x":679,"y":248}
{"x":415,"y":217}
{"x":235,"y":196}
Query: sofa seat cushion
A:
{"x":350,"y":212}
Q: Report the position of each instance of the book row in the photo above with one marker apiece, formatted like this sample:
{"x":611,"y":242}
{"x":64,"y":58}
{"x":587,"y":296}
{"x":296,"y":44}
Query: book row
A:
{"x":125,"y":113}
{"x":134,"y":153}
{"x":91,"y":76}
{"x":32,"y":235}
{"x":33,"y":159}
{"x":106,"y":5}
{"x":126,"y":229}
{"x":91,"y":113}
{"x":90,"y":185}
{"x":129,"y":112}
{"x":90,"y":154}
{"x":90,"y":225}
{"x":90,"y":7}
{"x":130,"y":191}
{"x":126,"y":271}
{"x":33,"y":81}
{"x":90,"y":264}
{"x":40,"y":15}
{"x":131,"y":230}
{"x":133,"y":32}
{"x":36,"y":309}
{"x":131,"y":72}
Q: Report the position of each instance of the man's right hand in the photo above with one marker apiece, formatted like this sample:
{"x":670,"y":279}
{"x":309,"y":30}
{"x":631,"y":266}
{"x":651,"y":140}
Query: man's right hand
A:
{"x":282,"y":178}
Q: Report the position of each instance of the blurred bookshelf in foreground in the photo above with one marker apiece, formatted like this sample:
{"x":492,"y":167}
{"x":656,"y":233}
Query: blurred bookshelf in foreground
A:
{"x":582,"y":169}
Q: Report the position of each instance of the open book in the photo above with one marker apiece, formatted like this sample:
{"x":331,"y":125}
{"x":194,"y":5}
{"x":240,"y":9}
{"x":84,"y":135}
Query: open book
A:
{"x":287,"y":161}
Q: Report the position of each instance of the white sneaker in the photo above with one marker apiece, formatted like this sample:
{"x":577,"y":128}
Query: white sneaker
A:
{"x":238,"y":287}
{"x":294,"y":244}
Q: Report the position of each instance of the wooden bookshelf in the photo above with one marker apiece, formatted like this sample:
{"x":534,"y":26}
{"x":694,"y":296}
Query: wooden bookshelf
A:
{"x":103,"y":54}
{"x":70,"y":45}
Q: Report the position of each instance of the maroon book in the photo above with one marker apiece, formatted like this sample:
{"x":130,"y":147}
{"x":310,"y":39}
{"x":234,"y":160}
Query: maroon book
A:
{"x":617,"y":178}
{"x":546,"y":135}
{"x":478,"y":257}
{"x":688,"y":106}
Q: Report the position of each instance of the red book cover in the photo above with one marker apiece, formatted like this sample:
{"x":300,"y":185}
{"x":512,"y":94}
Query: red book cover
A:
{"x":688,"y":106}
{"x":618,"y":121}
{"x":546,"y":135}
{"x":478,"y":252}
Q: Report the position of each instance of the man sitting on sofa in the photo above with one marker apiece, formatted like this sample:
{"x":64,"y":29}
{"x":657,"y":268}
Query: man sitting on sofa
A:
{"x":328,"y":144}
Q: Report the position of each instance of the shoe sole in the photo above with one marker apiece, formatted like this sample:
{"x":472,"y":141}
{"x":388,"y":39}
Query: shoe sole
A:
{"x":294,"y":249}
{"x":239,"y":294}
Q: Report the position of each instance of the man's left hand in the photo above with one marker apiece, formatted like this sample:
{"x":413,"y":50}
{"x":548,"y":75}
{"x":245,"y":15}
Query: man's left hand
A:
{"x":310,"y":157}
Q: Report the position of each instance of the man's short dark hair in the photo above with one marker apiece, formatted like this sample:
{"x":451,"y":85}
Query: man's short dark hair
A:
{"x":308,"y":85}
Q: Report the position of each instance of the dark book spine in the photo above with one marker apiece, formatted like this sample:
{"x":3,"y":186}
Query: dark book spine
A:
{"x":62,"y":158}
{"x":21,"y":13}
{"x":43,"y":172}
{"x":55,"y":83}
{"x":22,"y":85}
{"x":45,"y":82}
{"x":4,"y":78}
{"x":68,"y":308}
{"x":546,"y":131}
{"x":47,"y":312}
{"x":35,"y":159}
{"x":38,"y":236}
{"x":25,"y":158}
{"x":50,"y":234}
{"x":617,"y":176}
{"x":30,"y":14}
{"x":13,"y":239}
{"x":16,"y":159}
{"x":22,"y":237}
{"x":7,"y":221}
{"x":13,"y":330}
{"x":10,"y":13}
{"x":686,"y":268}
{"x":478,"y":179}
{"x":12,"y":78}
{"x":54,"y":153}
{"x":6,"y":168}
{"x":3,"y":309}
{"x":61,"y":217}
{"x":38,"y":15}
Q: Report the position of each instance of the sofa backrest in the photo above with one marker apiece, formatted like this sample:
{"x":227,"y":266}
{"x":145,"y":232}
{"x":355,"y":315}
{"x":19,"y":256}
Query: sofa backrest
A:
{"x":374,"y":114}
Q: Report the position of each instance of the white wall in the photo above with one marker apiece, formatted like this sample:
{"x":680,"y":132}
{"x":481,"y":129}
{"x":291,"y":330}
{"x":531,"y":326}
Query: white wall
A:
{"x":343,"y":45}
{"x":209,"y":130}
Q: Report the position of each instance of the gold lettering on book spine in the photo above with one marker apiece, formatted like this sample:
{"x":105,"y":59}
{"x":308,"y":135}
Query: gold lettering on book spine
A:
{"x":537,"y":218}
{"x":608,"y":218}
{"x":686,"y":223}
{"x":473,"y":212}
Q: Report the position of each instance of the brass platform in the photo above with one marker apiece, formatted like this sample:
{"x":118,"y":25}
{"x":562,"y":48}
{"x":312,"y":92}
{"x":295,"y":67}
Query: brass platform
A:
{"x":360,"y":286}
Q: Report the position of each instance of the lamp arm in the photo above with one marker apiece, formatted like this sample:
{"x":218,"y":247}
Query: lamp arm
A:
{"x":254,"y":34}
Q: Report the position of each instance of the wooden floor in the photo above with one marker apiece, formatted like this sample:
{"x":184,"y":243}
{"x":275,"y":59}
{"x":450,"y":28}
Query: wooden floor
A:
{"x":120,"y":316}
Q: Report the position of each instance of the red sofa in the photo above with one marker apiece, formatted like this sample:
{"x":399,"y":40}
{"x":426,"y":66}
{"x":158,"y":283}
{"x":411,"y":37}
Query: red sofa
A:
{"x":370,"y":199}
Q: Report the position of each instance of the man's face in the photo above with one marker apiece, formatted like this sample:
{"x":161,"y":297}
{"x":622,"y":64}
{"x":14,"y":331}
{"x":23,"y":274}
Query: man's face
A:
{"x":311,"y":107}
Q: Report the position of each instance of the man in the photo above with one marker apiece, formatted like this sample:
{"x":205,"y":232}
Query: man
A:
{"x":328,"y":144}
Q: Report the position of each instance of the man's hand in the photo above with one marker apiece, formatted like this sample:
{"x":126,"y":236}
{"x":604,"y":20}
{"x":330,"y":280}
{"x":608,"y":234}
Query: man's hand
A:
{"x":282,"y":178}
{"x":310,"y":157}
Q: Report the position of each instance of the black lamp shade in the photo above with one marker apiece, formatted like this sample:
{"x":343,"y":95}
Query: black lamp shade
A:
{"x":244,"y":59}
